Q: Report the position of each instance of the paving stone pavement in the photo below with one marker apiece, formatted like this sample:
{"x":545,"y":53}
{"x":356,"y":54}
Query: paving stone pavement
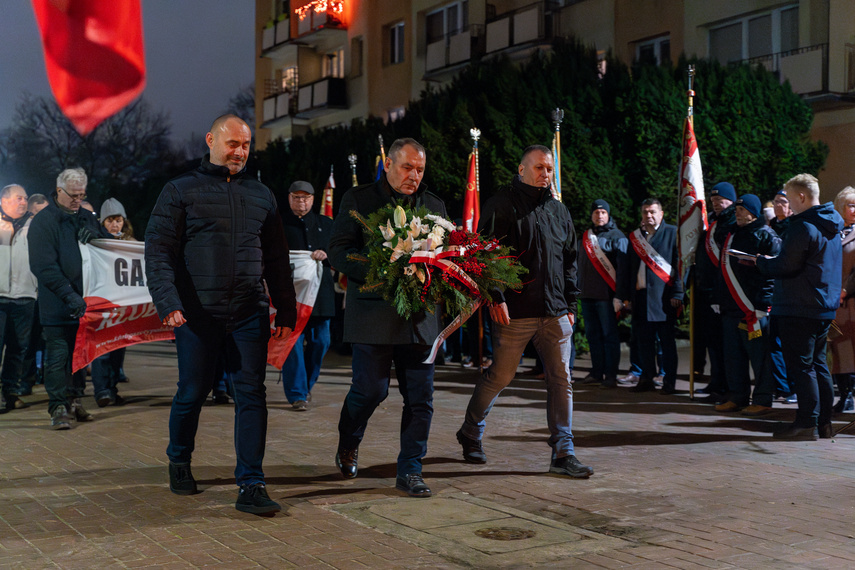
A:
{"x":676,"y":485}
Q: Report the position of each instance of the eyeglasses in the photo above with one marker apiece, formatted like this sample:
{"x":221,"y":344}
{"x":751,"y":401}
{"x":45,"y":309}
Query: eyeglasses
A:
{"x":301,"y":198}
{"x":77,"y":197}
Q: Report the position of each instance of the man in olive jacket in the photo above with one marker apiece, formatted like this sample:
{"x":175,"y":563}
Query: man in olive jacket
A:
{"x":379,"y":335}
{"x":213,"y":236}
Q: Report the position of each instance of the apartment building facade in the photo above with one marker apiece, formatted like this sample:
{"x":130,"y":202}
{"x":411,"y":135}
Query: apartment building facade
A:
{"x":326,"y":62}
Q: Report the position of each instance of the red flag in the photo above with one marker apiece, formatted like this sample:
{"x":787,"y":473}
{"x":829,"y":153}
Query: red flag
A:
{"x":693,"y":208}
{"x":326,"y":209}
{"x":471,"y":200}
{"x":94,"y":56}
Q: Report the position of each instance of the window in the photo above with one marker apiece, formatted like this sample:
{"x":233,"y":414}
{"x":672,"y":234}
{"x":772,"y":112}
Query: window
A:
{"x":356,"y":56}
{"x":283,"y":7}
{"x":655,"y":51}
{"x":396,"y":43}
{"x":756,"y":35}
{"x":448,"y":20}
{"x":396,"y":113}
{"x":290,"y":79}
{"x":333,"y":63}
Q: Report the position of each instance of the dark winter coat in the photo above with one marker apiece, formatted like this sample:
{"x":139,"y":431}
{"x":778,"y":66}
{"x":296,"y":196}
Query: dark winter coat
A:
{"x":540,"y":230}
{"x":757,"y":238}
{"x":310,"y":233}
{"x":707,"y":274}
{"x":808,"y":271}
{"x":55,"y":259}
{"x":368,"y":318}
{"x":658,"y":294}
{"x":614,"y":244}
{"x":211,"y":239}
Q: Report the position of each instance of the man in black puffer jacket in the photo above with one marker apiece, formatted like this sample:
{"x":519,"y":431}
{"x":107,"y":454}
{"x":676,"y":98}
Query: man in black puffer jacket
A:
{"x":746,"y":295}
{"x":213,"y":238}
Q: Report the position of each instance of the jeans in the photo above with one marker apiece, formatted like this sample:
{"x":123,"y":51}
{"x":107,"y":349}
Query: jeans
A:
{"x":603,"y":338}
{"x":803,"y":342}
{"x":553,"y":339}
{"x":61,"y":385}
{"x":779,"y":368}
{"x":16,"y":322}
{"x":742,"y":352}
{"x":372,"y":367}
{"x":200,"y":343}
{"x":105,"y":373}
{"x":303,"y":365}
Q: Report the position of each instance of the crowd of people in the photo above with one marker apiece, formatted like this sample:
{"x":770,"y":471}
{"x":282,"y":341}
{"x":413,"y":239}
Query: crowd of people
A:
{"x":773,"y":288}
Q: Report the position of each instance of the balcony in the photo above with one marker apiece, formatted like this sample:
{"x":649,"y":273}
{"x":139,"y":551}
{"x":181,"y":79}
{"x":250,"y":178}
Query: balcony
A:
{"x":321,"y":29}
{"x":453,"y":49}
{"x":806,"y":68}
{"x":278,"y":102}
{"x":275,"y":38}
{"x":528,"y":26}
{"x":320,"y":97}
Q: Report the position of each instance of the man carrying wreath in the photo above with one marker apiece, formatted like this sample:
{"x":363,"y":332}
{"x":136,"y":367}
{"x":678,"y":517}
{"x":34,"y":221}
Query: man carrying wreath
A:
{"x":380,"y":336}
{"x":538,"y":227}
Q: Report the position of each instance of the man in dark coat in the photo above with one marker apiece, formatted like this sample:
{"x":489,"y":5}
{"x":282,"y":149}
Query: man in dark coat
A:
{"x":379,"y":335}
{"x":808,"y":277}
{"x":602,"y":255}
{"x":540,"y":231}
{"x":746,"y":296}
{"x":214,"y":236}
{"x":55,"y":261}
{"x":653,"y":291}
{"x":308,"y":232}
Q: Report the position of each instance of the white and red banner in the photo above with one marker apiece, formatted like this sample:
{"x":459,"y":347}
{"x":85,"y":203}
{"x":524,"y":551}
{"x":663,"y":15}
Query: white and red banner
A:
{"x":598,"y":259}
{"x":692,"y":217}
{"x":650,"y":256}
{"x":119,"y":310}
{"x":471,"y":198}
{"x":326,"y":207}
{"x":307,"y":274}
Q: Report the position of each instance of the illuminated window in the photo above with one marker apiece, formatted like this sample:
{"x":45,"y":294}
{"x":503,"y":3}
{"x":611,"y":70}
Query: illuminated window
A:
{"x":290,"y":79}
{"x":334,"y":63}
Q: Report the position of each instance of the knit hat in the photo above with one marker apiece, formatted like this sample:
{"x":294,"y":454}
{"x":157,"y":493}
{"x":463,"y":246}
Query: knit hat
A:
{"x":781,"y":192}
{"x":112,"y":207}
{"x":301,"y":186}
{"x":751,"y":203}
{"x":601,"y":205}
{"x":725,"y":190}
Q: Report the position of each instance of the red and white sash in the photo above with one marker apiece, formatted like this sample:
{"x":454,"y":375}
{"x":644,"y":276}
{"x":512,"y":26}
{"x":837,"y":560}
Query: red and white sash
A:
{"x":711,"y":247}
{"x":598,"y":259}
{"x":745,"y":304}
{"x":650,"y":256}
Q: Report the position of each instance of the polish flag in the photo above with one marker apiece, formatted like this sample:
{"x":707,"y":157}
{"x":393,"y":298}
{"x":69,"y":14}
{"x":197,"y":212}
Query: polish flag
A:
{"x":307,"y":280}
{"x":93,"y":55}
{"x":326,"y":209}
{"x":471,"y":199}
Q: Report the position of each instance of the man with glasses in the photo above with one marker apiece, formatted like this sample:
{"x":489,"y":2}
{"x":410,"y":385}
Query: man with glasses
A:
{"x":55,"y":261}
{"x":308,"y":233}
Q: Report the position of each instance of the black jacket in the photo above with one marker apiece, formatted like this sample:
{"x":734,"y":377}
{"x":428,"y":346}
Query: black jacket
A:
{"x":211,"y":239}
{"x":368,"y":318}
{"x":658,"y":294}
{"x":780,"y":226}
{"x":613,"y":243}
{"x":808,"y":271}
{"x":755,"y":237}
{"x":707,"y":274}
{"x":540,"y":230}
{"x":55,"y":259}
{"x":309,"y":233}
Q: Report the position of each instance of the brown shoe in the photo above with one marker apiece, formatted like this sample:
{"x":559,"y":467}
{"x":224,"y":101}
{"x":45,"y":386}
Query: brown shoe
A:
{"x":756,"y":410}
{"x":728,"y":407}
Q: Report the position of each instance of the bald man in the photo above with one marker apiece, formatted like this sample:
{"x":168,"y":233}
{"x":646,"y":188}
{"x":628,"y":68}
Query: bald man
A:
{"x":213,"y":237}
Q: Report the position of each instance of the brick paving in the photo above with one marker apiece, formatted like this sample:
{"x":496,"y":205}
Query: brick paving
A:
{"x":680,"y":485}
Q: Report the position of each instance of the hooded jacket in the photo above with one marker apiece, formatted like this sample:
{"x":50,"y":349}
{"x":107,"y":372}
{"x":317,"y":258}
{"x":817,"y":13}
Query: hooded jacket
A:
{"x":613,"y":243}
{"x":540,"y":230}
{"x":808,"y":271}
{"x":757,"y":238}
{"x":211,"y":239}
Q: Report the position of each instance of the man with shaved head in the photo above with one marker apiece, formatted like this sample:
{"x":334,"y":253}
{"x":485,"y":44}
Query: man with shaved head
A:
{"x":214,"y":238}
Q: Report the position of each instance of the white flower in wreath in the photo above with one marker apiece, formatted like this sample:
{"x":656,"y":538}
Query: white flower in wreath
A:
{"x":417,"y":228}
{"x":411,"y":270}
{"x":388,"y":231}
{"x":440,"y":221}
{"x":403,"y":246}
{"x":400,"y":217}
{"x":435,"y":238}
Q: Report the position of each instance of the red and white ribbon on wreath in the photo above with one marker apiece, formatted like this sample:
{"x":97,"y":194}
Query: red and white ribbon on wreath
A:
{"x":745,"y":304}
{"x":598,"y":259}
{"x":438,"y":260}
{"x":455,"y":324}
{"x":650,"y":256}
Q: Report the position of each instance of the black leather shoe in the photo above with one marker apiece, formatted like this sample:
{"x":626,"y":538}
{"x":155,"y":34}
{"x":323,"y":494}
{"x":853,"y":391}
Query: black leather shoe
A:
{"x":345,"y":460}
{"x":254,"y":499}
{"x":795,"y":433}
{"x":181,"y":481}
{"x":472,"y":450}
{"x":413,"y":484}
{"x":826,"y":431}
{"x":668,"y":390}
{"x":570,"y":466}
{"x":644,"y":385}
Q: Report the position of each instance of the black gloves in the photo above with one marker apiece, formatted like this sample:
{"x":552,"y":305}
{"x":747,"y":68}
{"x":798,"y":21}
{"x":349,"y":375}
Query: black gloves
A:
{"x":76,"y":305}
{"x":84,"y":235}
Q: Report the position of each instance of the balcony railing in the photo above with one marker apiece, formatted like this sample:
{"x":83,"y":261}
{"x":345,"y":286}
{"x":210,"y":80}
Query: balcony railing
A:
{"x":315,"y":98}
{"x":850,"y":68}
{"x":806,"y":68}
{"x":451,"y":49}
{"x":279,"y":33}
{"x":527,"y":25}
{"x":313,"y":21}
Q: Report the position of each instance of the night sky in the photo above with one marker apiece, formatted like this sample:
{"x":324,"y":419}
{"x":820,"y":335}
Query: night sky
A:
{"x":199,"y":53}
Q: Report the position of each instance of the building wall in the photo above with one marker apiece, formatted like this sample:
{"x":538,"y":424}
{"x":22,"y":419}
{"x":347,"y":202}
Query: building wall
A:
{"x":592,"y":22}
{"x":639,"y":20}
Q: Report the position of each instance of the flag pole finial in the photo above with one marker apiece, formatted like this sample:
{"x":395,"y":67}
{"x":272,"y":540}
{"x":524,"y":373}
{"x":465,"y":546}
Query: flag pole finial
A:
{"x":351,"y":158}
{"x":475,"y":133}
{"x":557,"y":118}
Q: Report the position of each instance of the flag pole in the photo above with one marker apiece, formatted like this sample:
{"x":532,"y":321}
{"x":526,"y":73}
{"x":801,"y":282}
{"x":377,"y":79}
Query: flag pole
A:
{"x":475,"y":133}
{"x":382,"y":150}
{"x":557,"y":117}
{"x":690,"y":118}
{"x":352,"y":160}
